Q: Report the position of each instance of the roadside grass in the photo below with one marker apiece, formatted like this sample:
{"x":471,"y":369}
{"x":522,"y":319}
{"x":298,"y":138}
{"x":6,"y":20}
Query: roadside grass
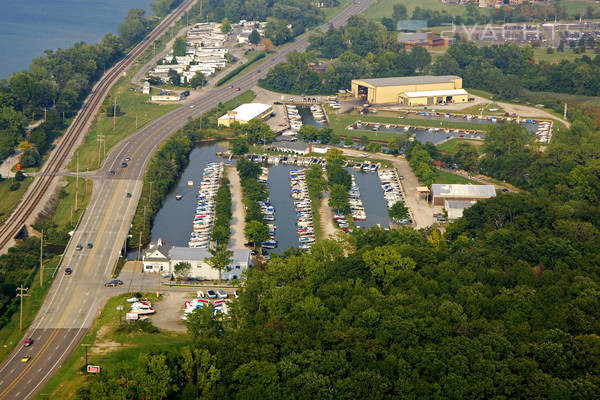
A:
{"x":450,"y":178}
{"x":577,"y":7}
{"x":10,"y":335}
{"x":252,"y":57}
{"x":65,"y":215}
{"x":331,"y":12}
{"x":11,"y":198}
{"x":131,"y":103}
{"x":125,"y":347}
{"x":450,"y":146}
{"x":484,"y":109}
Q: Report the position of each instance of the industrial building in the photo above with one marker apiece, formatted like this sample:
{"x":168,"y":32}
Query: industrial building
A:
{"x":411,"y":90}
{"x":244,"y":113}
{"x":442,"y":192}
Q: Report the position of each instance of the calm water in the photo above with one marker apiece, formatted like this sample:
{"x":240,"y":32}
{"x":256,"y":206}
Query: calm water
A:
{"x":285,"y":214}
{"x":308,"y":119}
{"x":371,"y":195}
{"x":28,"y":27}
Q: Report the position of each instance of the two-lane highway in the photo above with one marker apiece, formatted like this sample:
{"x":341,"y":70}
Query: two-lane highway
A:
{"x":74,"y":300}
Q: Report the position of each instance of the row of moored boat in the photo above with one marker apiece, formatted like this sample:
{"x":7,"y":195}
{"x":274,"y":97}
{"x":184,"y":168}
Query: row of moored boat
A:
{"x":294,"y":117}
{"x":302,"y":204}
{"x":390,"y":184}
{"x":356,"y":205}
{"x":205,"y":207}
{"x":318,"y":113}
{"x":268,"y":212}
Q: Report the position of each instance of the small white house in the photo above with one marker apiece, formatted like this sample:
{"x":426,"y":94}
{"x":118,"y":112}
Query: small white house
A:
{"x":156,"y":257}
{"x":241,"y":260}
{"x":146,"y":88}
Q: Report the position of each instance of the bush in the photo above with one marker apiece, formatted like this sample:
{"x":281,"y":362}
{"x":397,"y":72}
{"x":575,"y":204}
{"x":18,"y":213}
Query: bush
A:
{"x":137,"y":326}
{"x":14,"y":186}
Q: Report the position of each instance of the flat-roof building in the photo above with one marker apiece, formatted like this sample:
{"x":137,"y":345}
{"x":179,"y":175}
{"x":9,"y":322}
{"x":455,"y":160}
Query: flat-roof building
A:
{"x":443,"y":192}
{"x":244,"y":113}
{"x":455,"y":208}
{"x":411,"y":90}
{"x":300,"y":148}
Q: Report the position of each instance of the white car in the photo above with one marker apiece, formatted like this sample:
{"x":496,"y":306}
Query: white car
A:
{"x":221,"y":293}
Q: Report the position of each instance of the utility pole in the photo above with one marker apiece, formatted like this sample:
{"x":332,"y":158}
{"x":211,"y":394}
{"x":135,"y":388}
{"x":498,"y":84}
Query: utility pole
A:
{"x":86,"y":358}
{"x":42,"y":261}
{"x":144,"y":220}
{"x":21,"y":294}
{"x":115,"y":116}
{"x":139,"y":246}
{"x":136,"y":121}
{"x":77,"y":182}
{"x":100,"y":139}
{"x":565,"y":111}
{"x":150,"y":193}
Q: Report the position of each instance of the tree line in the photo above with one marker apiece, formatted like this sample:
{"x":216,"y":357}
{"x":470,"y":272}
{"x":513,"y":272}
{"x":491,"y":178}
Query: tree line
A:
{"x":221,"y":230}
{"x":253,"y":192}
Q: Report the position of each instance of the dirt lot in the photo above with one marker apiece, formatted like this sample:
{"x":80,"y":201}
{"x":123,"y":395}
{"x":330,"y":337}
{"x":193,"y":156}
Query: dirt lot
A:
{"x":170,"y":310}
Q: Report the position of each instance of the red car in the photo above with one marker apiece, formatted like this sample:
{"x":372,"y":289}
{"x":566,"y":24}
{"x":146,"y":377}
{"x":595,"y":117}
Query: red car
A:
{"x":28,"y":342}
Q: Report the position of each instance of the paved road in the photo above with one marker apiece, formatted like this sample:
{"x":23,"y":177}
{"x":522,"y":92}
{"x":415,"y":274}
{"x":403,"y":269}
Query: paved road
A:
{"x":74,"y":300}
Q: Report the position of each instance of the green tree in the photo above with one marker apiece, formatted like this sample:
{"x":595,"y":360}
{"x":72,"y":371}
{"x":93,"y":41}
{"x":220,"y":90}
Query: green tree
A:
{"x":338,"y":199}
{"x":225,"y":26}
{"x":364,"y":140}
{"x":220,"y":258}
{"x":247,"y":169}
{"x":182,"y":269}
{"x":239,"y":147}
{"x":420,"y":58}
{"x":256,"y":232}
{"x":308,"y":133}
{"x":179,"y":47}
{"x":153,"y":377}
{"x":374,"y":147}
{"x":387,"y":264}
{"x":174,"y":77}
{"x":254,"y":37}
{"x":19,"y":176}
{"x":198,"y":80}
{"x":398,"y":211}
{"x":466,"y":156}
{"x":399,"y":12}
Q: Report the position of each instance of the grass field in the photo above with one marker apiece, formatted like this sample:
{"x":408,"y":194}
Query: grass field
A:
{"x":11,"y":198}
{"x":450,"y":178}
{"x":540,"y":54}
{"x":132,"y":103}
{"x":450,"y":145}
{"x":384,"y":8}
{"x":116,"y":347}
{"x":65,"y":215}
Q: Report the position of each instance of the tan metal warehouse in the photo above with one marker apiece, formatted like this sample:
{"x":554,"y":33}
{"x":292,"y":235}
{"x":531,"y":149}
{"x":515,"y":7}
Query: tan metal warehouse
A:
{"x":411,"y":90}
{"x":441,"y":192}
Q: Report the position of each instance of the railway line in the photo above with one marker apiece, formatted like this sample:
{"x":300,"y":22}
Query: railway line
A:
{"x":69,"y":140}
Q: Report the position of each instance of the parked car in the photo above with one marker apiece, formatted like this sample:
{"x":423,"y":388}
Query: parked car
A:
{"x":118,"y":281}
{"x":28,"y":342}
{"x":254,"y":252}
{"x":235,"y":294}
{"x":90,"y":245}
{"x":222,"y":294}
{"x":112,"y":171}
{"x":123,"y":164}
{"x":68,"y":271}
{"x":211,"y":294}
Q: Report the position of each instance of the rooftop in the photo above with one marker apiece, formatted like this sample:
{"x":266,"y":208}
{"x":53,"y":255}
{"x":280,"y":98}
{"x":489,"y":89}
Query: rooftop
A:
{"x":247,"y":111}
{"x":481,"y":191}
{"x":409,"y":80}
{"x":458,"y":204}
{"x":297,"y":146}
{"x":429,"y":93}
{"x":198,"y":254}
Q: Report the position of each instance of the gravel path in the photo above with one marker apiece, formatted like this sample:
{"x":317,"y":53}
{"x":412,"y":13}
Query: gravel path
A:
{"x":237,"y":220}
{"x":327,"y":226}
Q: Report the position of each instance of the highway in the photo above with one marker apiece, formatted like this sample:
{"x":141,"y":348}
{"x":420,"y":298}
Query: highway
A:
{"x":74,"y":300}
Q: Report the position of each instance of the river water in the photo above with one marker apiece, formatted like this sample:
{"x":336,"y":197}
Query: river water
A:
{"x":28,"y":27}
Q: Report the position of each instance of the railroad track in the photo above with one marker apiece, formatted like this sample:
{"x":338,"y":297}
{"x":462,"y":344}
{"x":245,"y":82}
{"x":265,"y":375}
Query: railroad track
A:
{"x":69,"y":139}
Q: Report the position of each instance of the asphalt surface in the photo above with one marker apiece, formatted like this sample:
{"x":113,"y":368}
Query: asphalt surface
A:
{"x":74,"y":300}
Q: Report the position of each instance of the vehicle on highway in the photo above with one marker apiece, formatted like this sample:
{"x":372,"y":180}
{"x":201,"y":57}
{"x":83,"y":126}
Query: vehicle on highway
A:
{"x":127,"y":158}
{"x":25,"y":359}
{"x":90,"y":245}
{"x":79,"y":247}
{"x":211,"y":294}
{"x":364,"y":155}
{"x":259,"y":71}
{"x":68,"y":271}
{"x":128,"y":194}
{"x":28,"y":342}
{"x":192,"y":106}
{"x":222,"y":294}
{"x":118,"y":281}
{"x":112,"y":171}
{"x":238,"y":89}
{"x":230,"y":87}
{"x":123,"y":164}
{"x":110,"y":284}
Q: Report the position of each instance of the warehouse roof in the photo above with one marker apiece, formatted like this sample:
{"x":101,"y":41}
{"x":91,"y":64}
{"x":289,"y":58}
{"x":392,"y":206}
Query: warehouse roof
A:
{"x":480,"y":191}
{"x":295,"y":146}
{"x":198,"y":254}
{"x":430,"y":93}
{"x":247,"y":111}
{"x":410,"y":80}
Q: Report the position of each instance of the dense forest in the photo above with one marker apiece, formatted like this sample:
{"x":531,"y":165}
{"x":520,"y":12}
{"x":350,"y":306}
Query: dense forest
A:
{"x":504,"y":304}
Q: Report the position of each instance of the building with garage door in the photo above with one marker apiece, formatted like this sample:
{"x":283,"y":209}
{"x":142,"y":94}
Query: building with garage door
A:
{"x":411,"y":90}
{"x":442,"y":192}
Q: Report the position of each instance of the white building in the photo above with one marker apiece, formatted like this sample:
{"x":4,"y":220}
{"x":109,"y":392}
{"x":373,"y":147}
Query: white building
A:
{"x":166,"y":97}
{"x":245,"y":113}
{"x":146,"y":88}
{"x":161,"y":257}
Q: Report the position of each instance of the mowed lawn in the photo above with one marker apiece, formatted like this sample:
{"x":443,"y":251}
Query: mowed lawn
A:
{"x":450,"y":146}
{"x":449,"y":178}
{"x":385,"y":8}
{"x":11,"y":198}
{"x":131,"y":103}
